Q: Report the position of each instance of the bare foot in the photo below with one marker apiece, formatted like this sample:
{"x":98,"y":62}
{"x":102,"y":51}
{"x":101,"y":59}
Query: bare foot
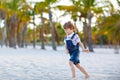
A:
{"x":87,"y":76}
{"x":73,"y":76}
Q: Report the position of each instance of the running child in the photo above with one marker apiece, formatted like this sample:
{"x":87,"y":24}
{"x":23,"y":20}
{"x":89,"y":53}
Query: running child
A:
{"x":72,"y":43}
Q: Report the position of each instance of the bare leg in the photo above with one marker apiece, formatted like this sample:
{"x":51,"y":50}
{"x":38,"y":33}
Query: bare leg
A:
{"x":82,"y":70}
{"x":72,"y":68}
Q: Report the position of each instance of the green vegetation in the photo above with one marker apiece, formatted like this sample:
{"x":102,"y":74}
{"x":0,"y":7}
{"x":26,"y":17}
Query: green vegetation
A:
{"x":18,"y":14}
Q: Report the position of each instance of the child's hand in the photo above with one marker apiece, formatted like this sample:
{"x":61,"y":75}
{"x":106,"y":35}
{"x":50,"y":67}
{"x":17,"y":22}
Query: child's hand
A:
{"x":86,"y":50}
{"x":67,"y":51}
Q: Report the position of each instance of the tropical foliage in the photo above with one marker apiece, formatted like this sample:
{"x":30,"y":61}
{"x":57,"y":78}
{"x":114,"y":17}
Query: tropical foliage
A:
{"x":18,"y":14}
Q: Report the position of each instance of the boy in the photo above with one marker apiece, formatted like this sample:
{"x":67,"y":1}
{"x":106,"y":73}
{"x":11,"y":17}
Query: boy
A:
{"x":72,"y":43}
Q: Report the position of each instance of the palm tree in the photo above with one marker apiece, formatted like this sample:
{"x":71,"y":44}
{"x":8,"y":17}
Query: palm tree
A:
{"x":45,"y":7}
{"x":34,"y":31}
{"x":15,"y":18}
{"x":86,"y":9}
{"x":52,"y":29}
{"x":110,"y":25}
{"x":51,"y":23}
{"x":12,"y":10}
{"x":3,"y":17}
{"x":40,"y":9}
{"x":42,"y":31}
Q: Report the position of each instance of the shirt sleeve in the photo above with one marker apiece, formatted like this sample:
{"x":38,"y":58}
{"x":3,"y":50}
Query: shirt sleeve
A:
{"x":77,"y":38}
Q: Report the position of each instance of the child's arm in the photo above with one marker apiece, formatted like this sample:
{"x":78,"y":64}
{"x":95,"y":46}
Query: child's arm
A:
{"x":80,"y":44}
{"x":83,"y":48}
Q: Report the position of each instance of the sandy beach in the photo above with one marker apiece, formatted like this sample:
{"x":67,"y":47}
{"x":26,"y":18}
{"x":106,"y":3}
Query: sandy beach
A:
{"x":37,"y":64}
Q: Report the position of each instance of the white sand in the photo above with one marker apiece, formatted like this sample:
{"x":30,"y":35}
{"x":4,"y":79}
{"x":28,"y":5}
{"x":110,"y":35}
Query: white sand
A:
{"x":37,"y":64}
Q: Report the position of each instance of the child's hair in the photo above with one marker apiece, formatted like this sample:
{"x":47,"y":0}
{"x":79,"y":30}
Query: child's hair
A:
{"x":69,"y":25}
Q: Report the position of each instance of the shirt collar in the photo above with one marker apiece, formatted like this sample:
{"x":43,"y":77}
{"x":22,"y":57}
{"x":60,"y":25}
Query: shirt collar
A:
{"x":70,"y":35}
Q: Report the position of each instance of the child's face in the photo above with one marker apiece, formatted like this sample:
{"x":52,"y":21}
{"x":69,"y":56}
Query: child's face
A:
{"x":68,"y":31}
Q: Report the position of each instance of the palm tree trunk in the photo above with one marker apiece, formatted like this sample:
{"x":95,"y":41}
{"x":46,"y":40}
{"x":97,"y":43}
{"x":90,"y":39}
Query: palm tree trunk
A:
{"x":52,"y":31}
{"x":41,"y":33}
{"x":13,"y":36}
{"x":34,"y":31}
{"x":34,"y":38}
{"x":13,"y":28}
{"x":5,"y":31}
{"x":18,"y":34}
{"x":90,"y":43}
{"x":1,"y":42}
{"x":85,"y":32}
{"x":26,"y":34}
{"x":56,"y":36}
{"x":22,"y":37}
